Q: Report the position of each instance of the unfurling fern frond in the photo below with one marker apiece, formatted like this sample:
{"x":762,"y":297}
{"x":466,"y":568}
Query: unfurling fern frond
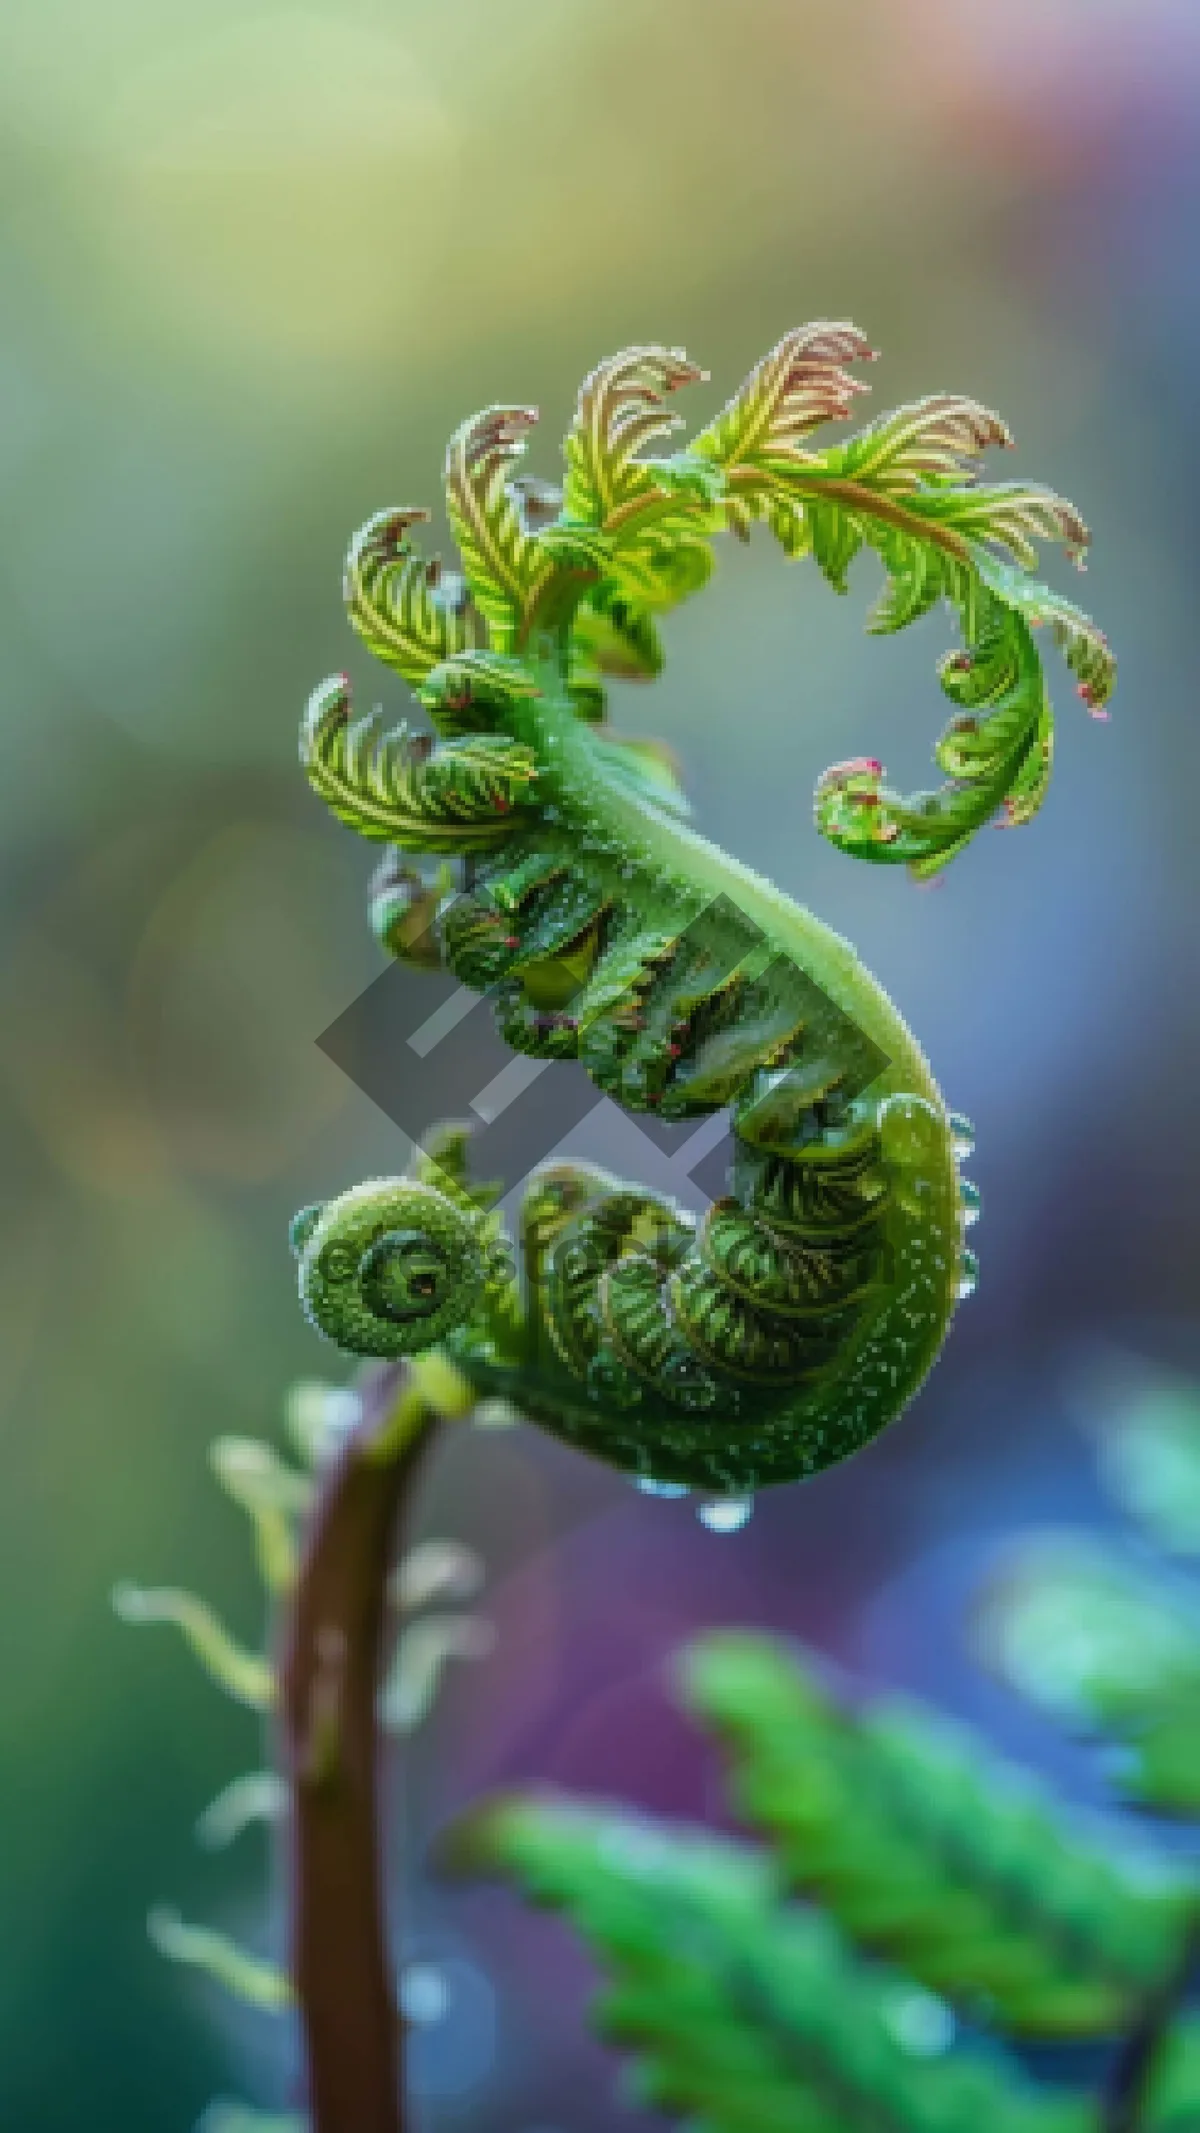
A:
{"x":405,"y":611}
{"x":906,"y":486}
{"x":612,"y":635}
{"x":748,"y":2016}
{"x":395,"y":786}
{"x":924,"y":1850}
{"x":506,"y":567}
{"x":653,"y":516}
{"x":754,"y":441}
{"x":996,"y":752}
{"x":578,"y":575}
{"x":621,"y":410}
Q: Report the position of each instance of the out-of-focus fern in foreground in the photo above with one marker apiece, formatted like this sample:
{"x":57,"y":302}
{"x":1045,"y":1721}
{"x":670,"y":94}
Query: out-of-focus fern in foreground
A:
{"x":919,"y":1915}
{"x":909,"y":1921}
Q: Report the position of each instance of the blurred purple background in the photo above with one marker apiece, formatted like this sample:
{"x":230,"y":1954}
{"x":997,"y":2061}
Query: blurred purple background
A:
{"x":256,"y":265}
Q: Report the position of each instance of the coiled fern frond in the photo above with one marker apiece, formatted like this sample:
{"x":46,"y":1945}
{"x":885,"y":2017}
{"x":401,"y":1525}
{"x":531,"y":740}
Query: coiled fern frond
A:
{"x":630,"y":535}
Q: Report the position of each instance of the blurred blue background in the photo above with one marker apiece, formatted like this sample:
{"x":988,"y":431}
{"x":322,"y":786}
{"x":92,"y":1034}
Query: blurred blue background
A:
{"x":256,"y":263}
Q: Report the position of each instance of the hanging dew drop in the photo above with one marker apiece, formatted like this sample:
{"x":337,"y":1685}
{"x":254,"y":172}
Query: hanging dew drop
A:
{"x":726,"y":1514}
{"x":668,"y":1489}
{"x":968,"y":1275}
{"x":962,"y":1134}
{"x":970,"y":1199}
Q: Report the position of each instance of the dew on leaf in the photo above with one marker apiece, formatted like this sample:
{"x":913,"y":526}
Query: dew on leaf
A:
{"x":962,"y":1134}
{"x":726,"y":1514}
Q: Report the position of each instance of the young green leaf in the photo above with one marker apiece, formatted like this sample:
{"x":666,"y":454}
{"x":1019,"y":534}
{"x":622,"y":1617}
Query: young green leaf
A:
{"x":392,"y":785}
{"x":653,"y":515}
{"x":615,"y":637}
{"x":404,"y":610}
{"x":505,"y":566}
{"x":906,"y":487}
{"x":801,"y":384}
{"x":923,"y":1847}
{"x":749,"y":2016}
{"x":621,"y":410}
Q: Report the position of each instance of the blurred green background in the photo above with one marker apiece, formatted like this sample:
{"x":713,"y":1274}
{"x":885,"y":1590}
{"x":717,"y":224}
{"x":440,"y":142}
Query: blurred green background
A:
{"x":256,"y":263}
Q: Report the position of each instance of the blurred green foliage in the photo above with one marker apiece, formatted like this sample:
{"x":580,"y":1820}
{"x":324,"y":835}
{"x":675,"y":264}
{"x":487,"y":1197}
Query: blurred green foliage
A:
{"x":1106,"y":1644}
{"x":919,"y":1846}
{"x":746,"y":2014}
{"x":995,"y":1909}
{"x":1109,"y":1639}
{"x":1149,"y":1449}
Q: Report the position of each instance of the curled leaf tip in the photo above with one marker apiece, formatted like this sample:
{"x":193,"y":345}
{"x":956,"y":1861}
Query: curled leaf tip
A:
{"x":436,"y":1569}
{"x":259,"y":1796}
{"x":245,"y":1676}
{"x":421,"y":1658}
{"x":247,"y":1977}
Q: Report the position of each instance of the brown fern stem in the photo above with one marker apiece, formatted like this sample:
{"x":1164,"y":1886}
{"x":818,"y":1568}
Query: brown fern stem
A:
{"x":332,"y":1649}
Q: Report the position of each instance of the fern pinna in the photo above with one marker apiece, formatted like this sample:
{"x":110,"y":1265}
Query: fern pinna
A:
{"x":915,"y":1893}
{"x":547,"y":860}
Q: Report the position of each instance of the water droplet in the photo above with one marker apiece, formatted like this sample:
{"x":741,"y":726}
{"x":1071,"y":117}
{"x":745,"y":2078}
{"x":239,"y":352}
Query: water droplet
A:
{"x":424,"y":1994}
{"x":921,"y":2023}
{"x":970,"y":1199}
{"x":495,"y":1414}
{"x":962,"y":1134}
{"x":726,"y":1514}
{"x":968,"y":1275}
{"x":650,"y":1487}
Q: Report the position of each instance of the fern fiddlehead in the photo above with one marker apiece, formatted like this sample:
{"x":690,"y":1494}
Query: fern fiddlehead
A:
{"x":803,"y":1312}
